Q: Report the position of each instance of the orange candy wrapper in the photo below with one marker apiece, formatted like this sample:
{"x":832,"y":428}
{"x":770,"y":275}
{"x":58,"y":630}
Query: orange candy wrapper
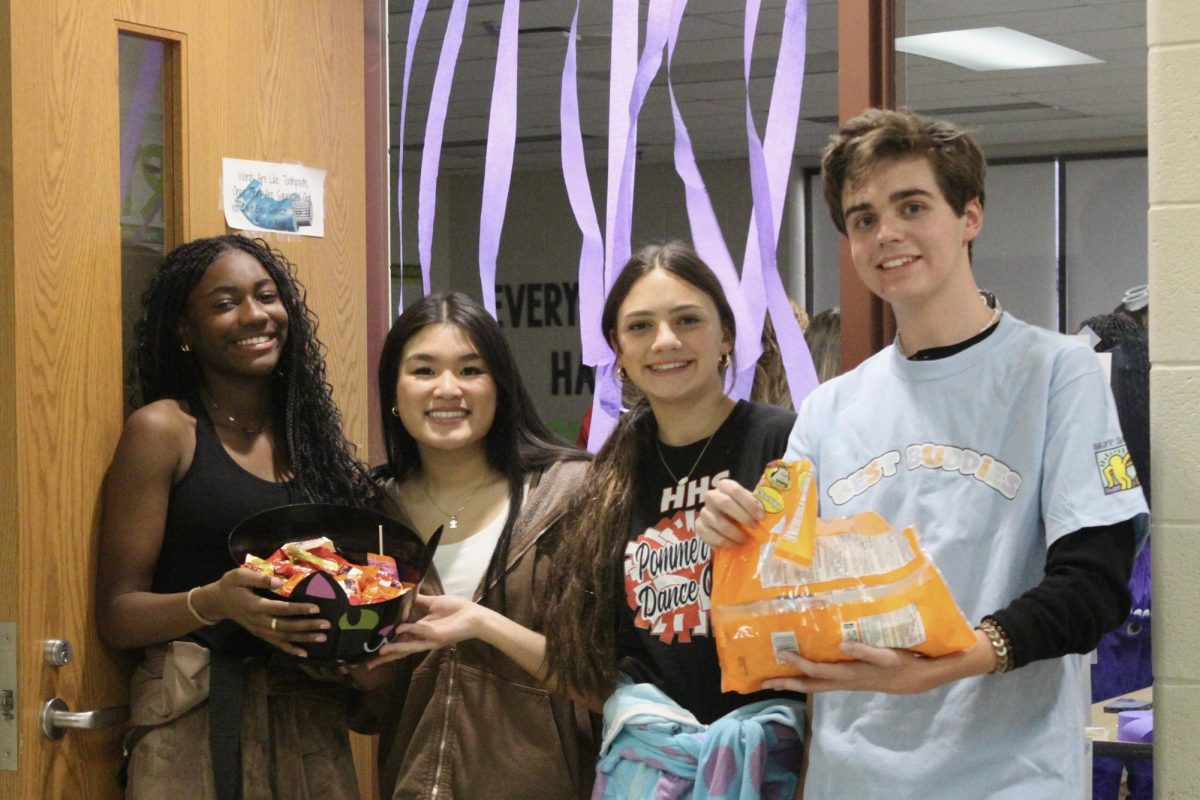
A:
{"x":375,"y":582}
{"x":805,"y":585}
{"x":788,"y":493}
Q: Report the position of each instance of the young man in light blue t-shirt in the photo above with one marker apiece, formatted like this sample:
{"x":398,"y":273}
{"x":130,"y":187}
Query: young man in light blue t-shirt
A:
{"x":999,"y":441}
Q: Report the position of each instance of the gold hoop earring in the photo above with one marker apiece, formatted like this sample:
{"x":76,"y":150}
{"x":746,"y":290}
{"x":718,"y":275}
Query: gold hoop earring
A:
{"x":185,"y":347}
{"x":622,"y":375}
{"x":395,"y":413}
{"x":723,"y":361}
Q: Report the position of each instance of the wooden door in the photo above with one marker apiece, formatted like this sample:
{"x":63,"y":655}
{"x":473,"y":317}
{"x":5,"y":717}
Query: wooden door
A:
{"x":271,"y":80}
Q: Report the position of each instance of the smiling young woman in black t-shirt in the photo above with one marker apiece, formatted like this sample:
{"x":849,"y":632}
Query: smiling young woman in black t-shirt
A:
{"x":632,"y":565}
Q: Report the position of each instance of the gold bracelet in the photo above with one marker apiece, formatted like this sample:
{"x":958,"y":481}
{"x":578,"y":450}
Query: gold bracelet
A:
{"x":1000,"y":644}
{"x":203,"y":620}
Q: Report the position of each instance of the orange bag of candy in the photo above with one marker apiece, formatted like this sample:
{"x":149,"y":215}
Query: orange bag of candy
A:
{"x":805,"y":585}
{"x":375,"y":582}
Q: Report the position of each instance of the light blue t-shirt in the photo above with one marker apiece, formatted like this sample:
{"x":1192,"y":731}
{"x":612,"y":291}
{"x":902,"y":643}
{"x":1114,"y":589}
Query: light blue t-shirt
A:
{"x":993,"y":454}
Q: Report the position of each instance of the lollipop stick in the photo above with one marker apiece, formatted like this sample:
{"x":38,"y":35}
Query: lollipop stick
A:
{"x":381,"y":540}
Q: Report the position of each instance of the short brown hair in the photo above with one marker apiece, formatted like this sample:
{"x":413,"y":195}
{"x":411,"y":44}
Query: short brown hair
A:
{"x":880,"y":135}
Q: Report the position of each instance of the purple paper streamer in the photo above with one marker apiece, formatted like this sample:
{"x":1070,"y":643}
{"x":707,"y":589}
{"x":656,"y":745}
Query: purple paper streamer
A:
{"x":622,"y":130}
{"x":706,"y":232}
{"x":622,"y":73}
{"x":579,"y":192}
{"x":620,"y":236}
{"x":410,"y":46}
{"x":760,"y":272}
{"x":149,"y":76}
{"x":658,"y":21}
{"x":760,"y":285}
{"x":501,"y":141}
{"x":435,"y":125}
{"x":752,"y":266}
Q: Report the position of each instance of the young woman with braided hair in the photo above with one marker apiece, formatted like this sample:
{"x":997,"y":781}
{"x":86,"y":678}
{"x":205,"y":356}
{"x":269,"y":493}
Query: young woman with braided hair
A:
{"x":234,"y":416}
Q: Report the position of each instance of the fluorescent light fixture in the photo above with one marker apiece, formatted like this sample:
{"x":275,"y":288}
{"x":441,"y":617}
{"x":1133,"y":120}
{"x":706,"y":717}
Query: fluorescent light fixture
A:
{"x":984,"y":49}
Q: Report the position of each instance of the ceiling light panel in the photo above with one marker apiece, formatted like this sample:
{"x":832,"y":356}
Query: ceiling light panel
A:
{"x":996,"y":48}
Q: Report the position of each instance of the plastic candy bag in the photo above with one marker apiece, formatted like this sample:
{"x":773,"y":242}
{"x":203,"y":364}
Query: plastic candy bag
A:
{"x":864,"y":581}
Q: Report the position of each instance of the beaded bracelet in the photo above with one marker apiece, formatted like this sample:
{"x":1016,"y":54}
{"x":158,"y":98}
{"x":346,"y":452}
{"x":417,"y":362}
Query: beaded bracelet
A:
{"x":1000,"y":644}
{"x":203,"y":620}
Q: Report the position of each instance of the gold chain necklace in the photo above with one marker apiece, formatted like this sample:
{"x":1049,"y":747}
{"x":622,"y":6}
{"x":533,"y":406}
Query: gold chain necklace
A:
{"x":453,"y":515}
{"x":230,"y":421}
{"x":696,"y":463}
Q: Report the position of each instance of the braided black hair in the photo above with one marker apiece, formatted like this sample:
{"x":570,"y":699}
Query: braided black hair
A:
{"x":322,"y":460}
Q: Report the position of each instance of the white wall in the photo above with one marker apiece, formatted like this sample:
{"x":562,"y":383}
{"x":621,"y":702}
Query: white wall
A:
{"x":1015,"y":255}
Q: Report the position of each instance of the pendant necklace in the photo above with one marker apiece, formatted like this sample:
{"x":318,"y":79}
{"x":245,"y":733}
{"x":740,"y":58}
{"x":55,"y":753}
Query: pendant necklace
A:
{"x":230,"y":421}
{"x":696,"y":463}
{"x":453,"y":515}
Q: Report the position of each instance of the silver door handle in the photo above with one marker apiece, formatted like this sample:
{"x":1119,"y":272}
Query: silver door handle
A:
{"x":57,"y":717}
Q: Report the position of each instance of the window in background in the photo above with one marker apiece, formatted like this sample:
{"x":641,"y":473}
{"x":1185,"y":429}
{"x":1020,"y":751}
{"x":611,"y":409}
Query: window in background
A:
{"x":1016,"y":254}
{"x":146,"y":182}
{"x":1054,"y":253}
{"x":1105,"y":232}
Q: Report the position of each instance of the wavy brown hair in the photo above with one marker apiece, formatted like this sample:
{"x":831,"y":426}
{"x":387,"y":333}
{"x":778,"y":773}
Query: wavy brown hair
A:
{"x":581,"y":593}
{"x":824,"y":337}
{"x":770,"y":376}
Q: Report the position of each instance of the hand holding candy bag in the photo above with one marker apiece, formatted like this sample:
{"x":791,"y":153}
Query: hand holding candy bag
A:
{"x":805,"y":585}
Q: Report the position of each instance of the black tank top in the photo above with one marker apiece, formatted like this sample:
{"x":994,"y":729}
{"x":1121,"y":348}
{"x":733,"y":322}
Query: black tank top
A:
{"x":214,"y":496}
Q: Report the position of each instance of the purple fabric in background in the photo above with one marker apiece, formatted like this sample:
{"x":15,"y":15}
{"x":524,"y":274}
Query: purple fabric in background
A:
{"x":1135,"y":726}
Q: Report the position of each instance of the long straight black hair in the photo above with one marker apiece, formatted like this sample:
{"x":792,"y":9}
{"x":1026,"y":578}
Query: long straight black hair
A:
{"x":518,"y":441}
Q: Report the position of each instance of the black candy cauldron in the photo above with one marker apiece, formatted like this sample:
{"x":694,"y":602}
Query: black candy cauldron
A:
{"x":355,"y":632}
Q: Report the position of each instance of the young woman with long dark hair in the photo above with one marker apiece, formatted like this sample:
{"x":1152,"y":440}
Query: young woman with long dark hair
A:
{"x":458,"y":699}
{"x":631,"y":583}
{"x":233,"y":416}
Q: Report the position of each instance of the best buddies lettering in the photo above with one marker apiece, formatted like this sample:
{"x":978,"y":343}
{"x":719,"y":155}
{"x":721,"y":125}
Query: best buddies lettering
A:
{"x":986,"y":469}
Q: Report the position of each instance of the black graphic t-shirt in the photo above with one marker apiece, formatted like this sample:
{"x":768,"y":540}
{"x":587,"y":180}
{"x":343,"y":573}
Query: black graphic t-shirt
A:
{"x":664,"y":635}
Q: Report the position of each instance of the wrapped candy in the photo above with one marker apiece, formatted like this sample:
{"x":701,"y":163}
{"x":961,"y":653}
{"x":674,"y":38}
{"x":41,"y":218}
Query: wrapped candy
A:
{"x":375,"y":582}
